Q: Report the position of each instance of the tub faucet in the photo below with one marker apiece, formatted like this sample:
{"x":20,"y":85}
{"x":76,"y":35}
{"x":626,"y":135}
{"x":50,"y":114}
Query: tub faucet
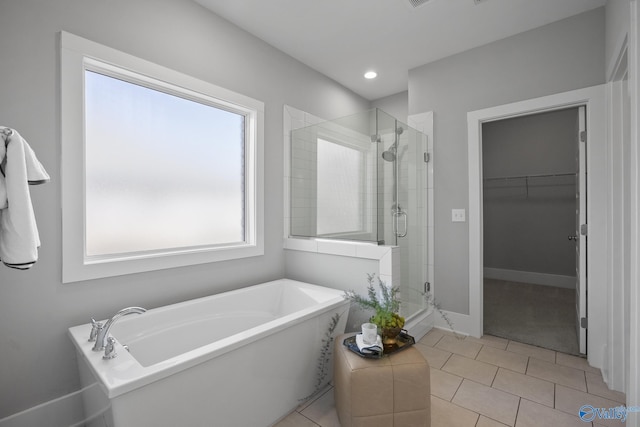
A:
{"x":102,"y":331}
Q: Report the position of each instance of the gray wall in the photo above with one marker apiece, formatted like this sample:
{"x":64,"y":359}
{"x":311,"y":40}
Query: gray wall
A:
{"x":558,"y":57}
{"x":397,"y":105}
{"x":527,"y":221}
{"x":38,"y":361}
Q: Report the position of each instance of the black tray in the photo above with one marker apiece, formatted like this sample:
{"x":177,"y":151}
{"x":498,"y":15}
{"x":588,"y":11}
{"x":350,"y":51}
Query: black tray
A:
{"x":403,"y":341}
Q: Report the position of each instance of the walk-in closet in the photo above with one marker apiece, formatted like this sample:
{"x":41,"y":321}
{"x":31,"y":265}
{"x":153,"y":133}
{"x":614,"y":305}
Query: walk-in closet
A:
{"x":530,"y":202}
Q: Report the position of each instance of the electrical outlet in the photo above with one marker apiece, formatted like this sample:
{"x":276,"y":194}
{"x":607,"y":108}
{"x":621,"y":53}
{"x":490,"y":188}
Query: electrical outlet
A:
{"x":458,"y":215}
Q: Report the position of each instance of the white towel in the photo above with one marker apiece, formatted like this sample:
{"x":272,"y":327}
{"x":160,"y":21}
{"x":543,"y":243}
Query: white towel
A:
{"x":19,"y":167}
{"x":369,"y":349}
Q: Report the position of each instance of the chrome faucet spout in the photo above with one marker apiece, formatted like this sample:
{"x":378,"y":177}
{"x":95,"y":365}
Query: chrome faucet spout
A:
{"x":103,"y":330}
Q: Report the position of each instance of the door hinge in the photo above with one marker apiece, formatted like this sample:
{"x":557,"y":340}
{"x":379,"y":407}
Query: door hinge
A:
{"x":583,"y":229}
{"x":583,"y":322}
{"x":427,"y":157}
{"x":583,"y":136}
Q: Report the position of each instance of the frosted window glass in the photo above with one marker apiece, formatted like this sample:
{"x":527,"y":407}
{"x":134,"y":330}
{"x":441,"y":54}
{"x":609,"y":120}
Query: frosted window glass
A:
{"x":162,"y":172}
{"x":340,"y":188}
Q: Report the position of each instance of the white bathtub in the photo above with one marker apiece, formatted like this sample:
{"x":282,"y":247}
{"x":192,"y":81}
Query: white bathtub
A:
{"x":242,"y":358}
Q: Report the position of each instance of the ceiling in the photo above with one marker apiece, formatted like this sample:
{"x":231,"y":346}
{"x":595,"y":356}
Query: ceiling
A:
{"x":345,"y":38}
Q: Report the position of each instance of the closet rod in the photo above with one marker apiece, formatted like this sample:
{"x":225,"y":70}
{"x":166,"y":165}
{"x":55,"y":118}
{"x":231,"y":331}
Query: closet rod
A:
{"x":552,"y":175}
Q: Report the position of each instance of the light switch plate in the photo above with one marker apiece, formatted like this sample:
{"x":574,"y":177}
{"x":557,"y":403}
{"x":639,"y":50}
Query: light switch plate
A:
{"x":458,"y":215}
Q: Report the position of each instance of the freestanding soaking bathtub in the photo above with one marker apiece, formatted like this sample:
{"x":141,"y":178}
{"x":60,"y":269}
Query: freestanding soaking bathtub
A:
{"x":242,"y":358}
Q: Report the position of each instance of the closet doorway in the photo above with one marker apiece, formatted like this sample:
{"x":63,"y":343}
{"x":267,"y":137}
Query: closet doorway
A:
{"x":533,"y":206}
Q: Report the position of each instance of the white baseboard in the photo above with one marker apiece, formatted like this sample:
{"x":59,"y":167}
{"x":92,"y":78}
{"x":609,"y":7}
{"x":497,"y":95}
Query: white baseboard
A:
{"x":556,"y":280}
{"x":461,"y":322}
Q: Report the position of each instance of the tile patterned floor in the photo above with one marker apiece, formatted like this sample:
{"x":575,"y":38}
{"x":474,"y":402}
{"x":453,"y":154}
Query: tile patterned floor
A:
{"x":493,"y":382}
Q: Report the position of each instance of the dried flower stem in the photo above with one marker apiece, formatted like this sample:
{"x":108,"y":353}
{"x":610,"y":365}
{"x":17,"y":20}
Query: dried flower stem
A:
{"x":324,"y":359}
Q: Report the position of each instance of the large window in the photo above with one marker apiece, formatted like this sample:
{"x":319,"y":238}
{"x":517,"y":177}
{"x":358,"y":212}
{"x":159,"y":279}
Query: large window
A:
{"x":159,"y":169}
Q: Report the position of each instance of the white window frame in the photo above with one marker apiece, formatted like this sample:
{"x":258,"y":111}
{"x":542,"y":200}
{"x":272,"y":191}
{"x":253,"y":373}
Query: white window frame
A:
{"x":76,"y":56}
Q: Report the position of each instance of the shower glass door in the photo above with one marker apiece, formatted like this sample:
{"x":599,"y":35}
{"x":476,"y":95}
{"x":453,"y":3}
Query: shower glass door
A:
{"x":402,"y":209}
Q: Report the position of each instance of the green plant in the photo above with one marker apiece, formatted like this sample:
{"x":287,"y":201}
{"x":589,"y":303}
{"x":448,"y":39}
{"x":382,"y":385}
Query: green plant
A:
{"x":430,"y":300}
{"x":386,"y":306}
{"x":324,"y":359}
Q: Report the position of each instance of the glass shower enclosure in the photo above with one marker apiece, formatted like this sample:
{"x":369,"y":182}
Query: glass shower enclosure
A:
{"x":363,"y":178}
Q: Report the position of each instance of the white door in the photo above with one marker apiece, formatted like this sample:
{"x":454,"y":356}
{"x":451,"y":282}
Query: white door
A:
{"x":580,"y":236}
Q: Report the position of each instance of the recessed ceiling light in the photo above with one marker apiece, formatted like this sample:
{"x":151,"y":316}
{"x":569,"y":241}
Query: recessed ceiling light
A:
{"x":370,"y":75}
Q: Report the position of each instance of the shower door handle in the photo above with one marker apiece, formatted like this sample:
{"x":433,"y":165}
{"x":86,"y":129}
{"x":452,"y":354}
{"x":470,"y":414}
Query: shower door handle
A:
{"x":396,"y":217}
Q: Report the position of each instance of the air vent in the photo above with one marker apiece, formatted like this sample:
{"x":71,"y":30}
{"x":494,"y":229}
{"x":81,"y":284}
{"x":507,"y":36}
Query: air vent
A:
{"x":417,"y":3}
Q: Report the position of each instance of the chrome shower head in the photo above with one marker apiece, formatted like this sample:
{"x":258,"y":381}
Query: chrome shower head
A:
{"x":389,"y":155}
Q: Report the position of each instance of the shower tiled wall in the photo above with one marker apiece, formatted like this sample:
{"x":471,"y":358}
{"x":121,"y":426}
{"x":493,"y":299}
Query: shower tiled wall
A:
{"x":303,"y":182}
{"x":332,"y":179}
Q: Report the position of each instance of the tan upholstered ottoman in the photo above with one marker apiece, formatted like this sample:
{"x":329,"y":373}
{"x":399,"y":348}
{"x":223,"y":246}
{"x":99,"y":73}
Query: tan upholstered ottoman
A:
{"x":393,"y":391}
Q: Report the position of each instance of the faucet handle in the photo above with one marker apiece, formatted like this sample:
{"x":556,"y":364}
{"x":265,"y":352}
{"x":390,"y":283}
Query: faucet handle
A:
{"x":95,"y":327}
{"x":110,"y":350}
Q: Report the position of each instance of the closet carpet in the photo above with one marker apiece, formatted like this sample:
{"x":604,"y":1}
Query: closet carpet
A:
{"x":544,"y":316}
